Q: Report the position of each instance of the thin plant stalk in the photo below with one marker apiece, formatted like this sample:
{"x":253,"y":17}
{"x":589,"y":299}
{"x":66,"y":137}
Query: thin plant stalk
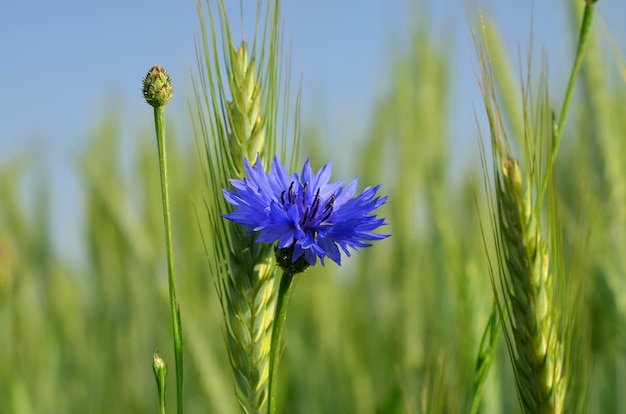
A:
{"x":159,"y":123}
{"x":280,"y":314}
{"x":558,"y":129}
{"x":162,"y":403}
{"x":157,"y":91}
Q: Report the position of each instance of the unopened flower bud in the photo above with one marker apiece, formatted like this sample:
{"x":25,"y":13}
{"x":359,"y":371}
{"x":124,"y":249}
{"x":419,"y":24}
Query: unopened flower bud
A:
{"x":160,"y":372}
{"x":157,"y":87}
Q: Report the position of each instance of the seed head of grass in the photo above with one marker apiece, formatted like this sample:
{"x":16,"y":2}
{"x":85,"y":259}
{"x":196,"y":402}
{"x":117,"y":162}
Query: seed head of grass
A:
{"x":248,"y":132}
{"x":529,"y":293}
{"x":239,"y":88}
{"x":526,"y":294}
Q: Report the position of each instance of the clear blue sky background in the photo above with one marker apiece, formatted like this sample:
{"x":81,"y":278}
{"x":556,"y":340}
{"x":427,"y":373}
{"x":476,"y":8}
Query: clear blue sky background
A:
{"x":62,"y":61}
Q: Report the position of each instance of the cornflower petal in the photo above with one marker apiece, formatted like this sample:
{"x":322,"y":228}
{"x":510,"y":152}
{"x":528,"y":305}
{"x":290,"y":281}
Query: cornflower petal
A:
{"x":305,"y":213}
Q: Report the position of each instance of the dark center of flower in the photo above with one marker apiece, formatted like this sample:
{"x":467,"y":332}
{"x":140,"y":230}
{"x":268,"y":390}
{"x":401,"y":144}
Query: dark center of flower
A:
{"x":310,"y":213}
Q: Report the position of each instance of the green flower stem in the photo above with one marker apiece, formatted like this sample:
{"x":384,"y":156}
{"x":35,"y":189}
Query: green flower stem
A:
{"x":162,"y":402}
{"x":280,"y":314}
{"x":159,"y":122}
{"x":558,"y":129}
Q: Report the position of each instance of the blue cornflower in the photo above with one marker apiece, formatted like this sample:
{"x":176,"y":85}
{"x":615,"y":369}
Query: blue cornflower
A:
{"x":308,"y":216}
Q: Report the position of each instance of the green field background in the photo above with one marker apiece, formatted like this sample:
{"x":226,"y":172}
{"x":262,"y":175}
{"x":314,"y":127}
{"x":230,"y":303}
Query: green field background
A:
{"x":394,"y":330}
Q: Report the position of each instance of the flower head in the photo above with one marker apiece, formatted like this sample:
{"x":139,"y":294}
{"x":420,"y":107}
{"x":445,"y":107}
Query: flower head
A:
{"x":157,"y":87}
{"x":308,"y":216}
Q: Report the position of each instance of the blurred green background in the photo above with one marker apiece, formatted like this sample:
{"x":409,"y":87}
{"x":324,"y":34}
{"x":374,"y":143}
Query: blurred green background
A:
{"x":396,"y":329}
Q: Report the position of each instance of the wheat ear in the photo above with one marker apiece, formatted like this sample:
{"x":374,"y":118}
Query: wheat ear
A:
{"x":239,"y":120}
{"x":247,"y":292}
{"x":528,"y":287}
{"x":524,"y":284}
{"x":248,"y":125}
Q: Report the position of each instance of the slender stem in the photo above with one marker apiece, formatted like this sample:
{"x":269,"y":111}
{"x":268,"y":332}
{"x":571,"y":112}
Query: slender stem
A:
{"x":558,"y":129}
{"x":582,"y":42}
{"x":162,"y":398}
{"x":280,"y":314}
{"x":159,"y":122}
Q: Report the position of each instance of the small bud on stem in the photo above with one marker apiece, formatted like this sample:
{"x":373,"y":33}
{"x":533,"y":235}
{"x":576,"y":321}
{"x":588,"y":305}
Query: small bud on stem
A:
{"x":157,"y":87}
{"x":160,"y":372}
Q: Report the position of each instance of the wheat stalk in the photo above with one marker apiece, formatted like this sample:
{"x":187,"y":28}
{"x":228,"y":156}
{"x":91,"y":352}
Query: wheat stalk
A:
{"x":239,"y":121}
{"x":246,"y":287}
{"x":247,"y":293}
{"x":529,"y":254}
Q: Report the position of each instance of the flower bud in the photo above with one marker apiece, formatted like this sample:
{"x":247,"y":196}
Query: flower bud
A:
{"x":157,"y":87}
{"x":160,"y":372}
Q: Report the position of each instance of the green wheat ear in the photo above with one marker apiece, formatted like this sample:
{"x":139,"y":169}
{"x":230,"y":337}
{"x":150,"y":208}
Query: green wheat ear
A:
{"x":248,"y":292}
{"x":528,"y":283}
{"x":530,"y":296}
{"x":248,"y":134}
{"x":233,"y":123}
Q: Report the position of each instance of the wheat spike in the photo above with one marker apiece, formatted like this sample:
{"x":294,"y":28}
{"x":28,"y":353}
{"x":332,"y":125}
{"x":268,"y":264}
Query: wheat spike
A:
{"x":525,"y":290}
{"x":248,"y":127}
{"x":241,"y":117}
{"x":248,"y":296}
{"x":529,"y":292}
{"x":248,"y":292}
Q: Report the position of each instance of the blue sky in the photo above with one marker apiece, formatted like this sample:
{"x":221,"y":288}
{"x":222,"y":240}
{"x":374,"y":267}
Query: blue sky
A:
{"x":62,"y":61}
